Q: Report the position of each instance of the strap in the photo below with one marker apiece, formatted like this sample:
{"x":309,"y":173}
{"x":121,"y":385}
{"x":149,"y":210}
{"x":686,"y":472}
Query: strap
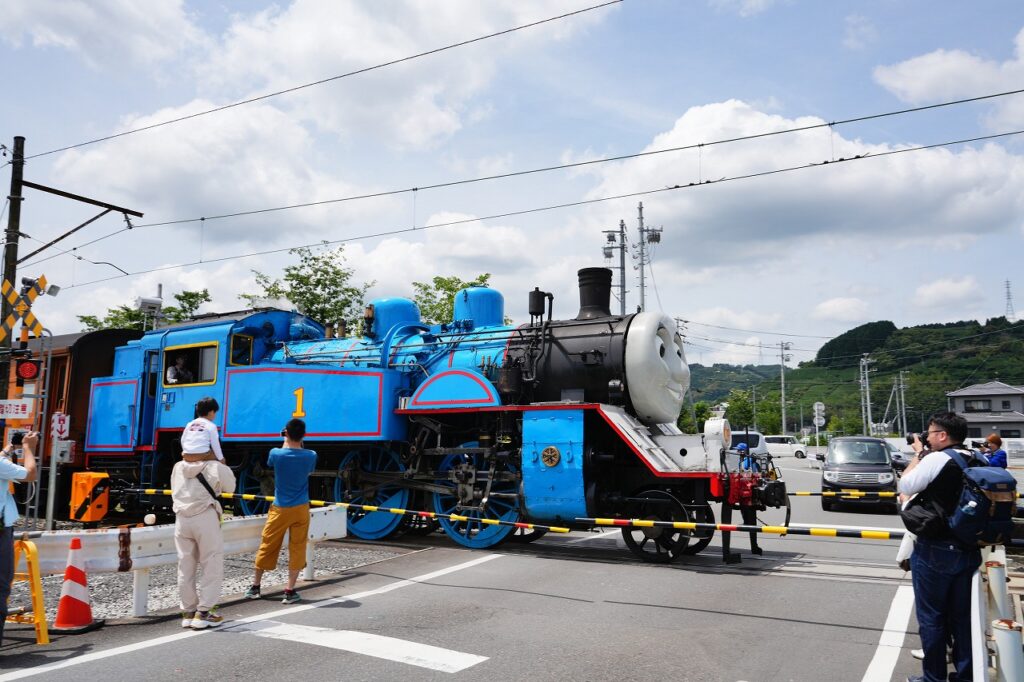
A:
{"x":202,"y":479}
{"x":958,"y":458}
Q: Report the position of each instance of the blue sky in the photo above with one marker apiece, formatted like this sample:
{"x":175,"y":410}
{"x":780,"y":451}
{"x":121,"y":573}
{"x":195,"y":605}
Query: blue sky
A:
{"x":917,"y":237}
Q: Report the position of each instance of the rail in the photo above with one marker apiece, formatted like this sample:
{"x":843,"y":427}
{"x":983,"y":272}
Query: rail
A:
{"x":140,"y":549}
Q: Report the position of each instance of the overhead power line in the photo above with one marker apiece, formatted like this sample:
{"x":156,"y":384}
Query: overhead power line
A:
{"x":573,"y":204}
{"x":547,"y":169}
{"x":323,"y":81}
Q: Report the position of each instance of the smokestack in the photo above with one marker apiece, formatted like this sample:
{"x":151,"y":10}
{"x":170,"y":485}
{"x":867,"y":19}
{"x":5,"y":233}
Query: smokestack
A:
{"x":595,"y":293}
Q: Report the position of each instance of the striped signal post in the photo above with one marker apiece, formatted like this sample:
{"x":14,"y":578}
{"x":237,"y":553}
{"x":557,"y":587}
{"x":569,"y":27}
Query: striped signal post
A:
{"x":21,"y":308}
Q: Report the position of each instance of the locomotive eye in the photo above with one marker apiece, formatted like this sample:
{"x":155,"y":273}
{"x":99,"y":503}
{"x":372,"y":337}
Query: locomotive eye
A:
{"x":661,"y":351}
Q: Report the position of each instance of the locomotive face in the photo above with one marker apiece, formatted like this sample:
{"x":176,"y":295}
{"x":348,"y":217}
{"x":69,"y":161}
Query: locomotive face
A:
{"x":657,"y":375}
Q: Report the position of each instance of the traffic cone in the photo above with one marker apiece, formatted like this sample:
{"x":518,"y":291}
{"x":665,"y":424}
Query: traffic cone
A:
{"x":74,"y":611}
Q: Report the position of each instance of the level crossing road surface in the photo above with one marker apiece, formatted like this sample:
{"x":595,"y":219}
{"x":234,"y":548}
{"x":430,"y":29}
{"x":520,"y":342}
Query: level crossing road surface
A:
{"x":577,"y":607}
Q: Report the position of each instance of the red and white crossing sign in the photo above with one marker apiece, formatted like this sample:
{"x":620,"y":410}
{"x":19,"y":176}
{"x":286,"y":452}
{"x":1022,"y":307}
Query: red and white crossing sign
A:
{"x":60,"y":425}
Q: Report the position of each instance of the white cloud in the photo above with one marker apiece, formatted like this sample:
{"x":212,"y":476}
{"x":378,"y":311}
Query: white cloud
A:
{"x":948,"y":292}
{"x":745,"y":8}
{"x":952,"y":73}
{"x":224,"y":164}
{"x":859,"y":32}
{"x":103,"y":32}
{"x":842,"y":309}
{"x":412,"y":105}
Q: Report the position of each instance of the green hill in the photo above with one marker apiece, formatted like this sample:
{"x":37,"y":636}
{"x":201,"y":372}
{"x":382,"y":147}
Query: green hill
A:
{"x":936,"y":358}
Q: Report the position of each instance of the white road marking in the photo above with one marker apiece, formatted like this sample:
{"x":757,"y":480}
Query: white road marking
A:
{"x":146,"y":644}
{"x":893,"y":633}
{"x":595,"y":536}
{"x":388,"y":648}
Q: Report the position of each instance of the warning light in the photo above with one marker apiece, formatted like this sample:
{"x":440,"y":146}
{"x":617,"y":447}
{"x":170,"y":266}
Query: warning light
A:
{"x":26,"y":370}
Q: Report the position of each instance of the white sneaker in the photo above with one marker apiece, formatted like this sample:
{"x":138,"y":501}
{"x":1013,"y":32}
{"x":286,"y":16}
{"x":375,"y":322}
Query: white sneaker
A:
{"x":186,"y":618}
{"x":917,"y":653}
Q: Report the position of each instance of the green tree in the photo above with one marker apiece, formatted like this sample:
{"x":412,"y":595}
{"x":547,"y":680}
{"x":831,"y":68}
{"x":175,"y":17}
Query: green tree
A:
{"x":319,"y":285}
{"x":740,"y":412}
{"x":127,"y":317}
{"x":436,"y":300}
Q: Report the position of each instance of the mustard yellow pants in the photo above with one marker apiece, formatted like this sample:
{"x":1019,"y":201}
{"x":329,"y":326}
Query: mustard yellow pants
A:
{"x":294,"y":520}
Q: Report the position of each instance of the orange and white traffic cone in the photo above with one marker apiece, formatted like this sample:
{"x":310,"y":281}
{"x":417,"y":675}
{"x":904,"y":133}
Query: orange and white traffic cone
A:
{"x":74,"y":611}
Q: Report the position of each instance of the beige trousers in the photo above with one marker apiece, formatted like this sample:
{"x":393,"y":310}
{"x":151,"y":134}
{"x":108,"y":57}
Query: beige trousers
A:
{"x":200,"y":543}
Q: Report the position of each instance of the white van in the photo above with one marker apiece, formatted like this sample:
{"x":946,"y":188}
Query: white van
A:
{"x":753,"y":439}
{"x":785,"y":446}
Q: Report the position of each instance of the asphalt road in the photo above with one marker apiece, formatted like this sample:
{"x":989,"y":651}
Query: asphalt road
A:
{"x":565,"y":607}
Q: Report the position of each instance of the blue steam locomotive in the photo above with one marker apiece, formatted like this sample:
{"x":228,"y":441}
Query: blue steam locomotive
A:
{"x":546,"y":422}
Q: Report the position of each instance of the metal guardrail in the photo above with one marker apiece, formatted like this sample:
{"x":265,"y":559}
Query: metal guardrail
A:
{"x":139,"y":549}
{"x":991,"y":597}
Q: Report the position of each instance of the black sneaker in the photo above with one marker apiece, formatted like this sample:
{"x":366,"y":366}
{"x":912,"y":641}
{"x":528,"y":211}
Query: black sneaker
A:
{"x":253,"y":592}
{"x":290,"y":597}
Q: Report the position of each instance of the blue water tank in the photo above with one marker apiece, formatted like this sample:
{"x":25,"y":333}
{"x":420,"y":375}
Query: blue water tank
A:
{"x":388,"y":312}
{"x":481,"y":306}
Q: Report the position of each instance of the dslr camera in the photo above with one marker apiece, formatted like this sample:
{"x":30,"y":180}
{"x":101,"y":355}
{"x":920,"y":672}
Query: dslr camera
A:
{"x":922,"y":436}
{"x":17,"y":438}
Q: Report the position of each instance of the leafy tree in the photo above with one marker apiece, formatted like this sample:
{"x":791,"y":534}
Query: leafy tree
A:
{"x":319,"y":285}
{"x":437,"y":299}
{"x":127,"y":317}
{"x":740,"y":412}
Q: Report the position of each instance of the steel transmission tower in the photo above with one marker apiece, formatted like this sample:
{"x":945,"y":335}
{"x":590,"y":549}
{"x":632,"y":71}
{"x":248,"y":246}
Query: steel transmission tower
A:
{"x":1011,"y":316}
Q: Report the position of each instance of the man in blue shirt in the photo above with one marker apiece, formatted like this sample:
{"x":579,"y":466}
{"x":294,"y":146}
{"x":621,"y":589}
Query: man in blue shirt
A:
{"x":9,"y":471}
{"x":292,"y":465}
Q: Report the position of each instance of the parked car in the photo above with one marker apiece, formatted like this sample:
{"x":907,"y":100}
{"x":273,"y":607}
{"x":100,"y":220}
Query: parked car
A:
{"x":900,"y":459}
{"x":753,"y":439}
{"x":786,"y":446}
{"x":858,"y":463}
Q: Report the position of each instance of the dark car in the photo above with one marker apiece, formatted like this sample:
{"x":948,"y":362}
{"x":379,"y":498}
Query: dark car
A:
{"x":900,"y":459}
{"x":858,"y":463}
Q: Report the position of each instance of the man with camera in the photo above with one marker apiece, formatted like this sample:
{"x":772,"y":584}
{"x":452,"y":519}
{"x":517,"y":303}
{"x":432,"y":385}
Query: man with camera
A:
{"x":941,"y":567}
{"x":292,"y":465}
{"x":9,"y":472}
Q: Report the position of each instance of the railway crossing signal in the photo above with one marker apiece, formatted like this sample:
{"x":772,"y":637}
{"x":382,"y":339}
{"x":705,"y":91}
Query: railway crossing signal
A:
{"x":22,"y":307}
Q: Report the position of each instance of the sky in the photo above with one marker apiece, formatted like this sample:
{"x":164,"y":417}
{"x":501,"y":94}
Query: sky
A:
{"x":798,"y":256}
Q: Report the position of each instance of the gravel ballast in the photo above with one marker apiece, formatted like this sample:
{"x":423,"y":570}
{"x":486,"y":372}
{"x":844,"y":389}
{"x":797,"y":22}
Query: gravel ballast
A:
{"x":112,"y":592}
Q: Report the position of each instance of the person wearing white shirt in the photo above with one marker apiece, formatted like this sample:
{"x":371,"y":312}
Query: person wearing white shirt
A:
{"x":199,"y":440}
{"x":24,"y":473}
{"x":941,"y":568}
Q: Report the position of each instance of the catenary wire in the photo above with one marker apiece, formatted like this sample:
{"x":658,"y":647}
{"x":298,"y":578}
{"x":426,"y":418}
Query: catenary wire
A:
{"x":573,"y":204}
{"x":546,"y":169}
{"x":322,"y":81}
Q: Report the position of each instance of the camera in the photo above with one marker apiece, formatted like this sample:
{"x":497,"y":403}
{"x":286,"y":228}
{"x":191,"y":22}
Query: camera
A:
{"x":284,"y":432}
{"x":922,"y":436}
{"x":17,"y":438}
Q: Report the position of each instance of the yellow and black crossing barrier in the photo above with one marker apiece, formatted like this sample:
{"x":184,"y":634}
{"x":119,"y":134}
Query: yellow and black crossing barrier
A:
{"x":727,"y":527}
{"x":370,"y":508}
{"x":844,"y":493}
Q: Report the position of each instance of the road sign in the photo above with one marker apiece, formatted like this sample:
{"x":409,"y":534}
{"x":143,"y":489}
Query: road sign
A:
{"x":22,"y":307}
{"x":60,"y":425}
{"x":819,"y":421}
{"x":819,"y":408}
{"x":19,"y":408}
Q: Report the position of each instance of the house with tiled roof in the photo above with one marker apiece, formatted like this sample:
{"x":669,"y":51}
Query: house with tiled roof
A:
{"x":992,"y":407}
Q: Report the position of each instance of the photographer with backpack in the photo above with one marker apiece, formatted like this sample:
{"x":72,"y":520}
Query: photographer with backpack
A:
{"x":960,"y":505}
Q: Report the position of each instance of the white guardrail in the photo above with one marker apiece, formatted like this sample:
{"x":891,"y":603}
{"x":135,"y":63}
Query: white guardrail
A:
{"x":990,"y":597}
{"x":139,"y":549}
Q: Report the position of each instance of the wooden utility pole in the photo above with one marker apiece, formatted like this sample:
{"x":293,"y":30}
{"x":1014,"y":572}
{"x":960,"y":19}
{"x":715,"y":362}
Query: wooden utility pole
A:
{"x":11,"y":251}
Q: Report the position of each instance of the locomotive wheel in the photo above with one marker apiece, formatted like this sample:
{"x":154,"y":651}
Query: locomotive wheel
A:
{"x":700,"y":538}
{"x":473,"y":533}
{"x":371,"y":525}
{"x":657,"y":545}
{"x":254,"y":479}
{"x":525,"y":535}
{"x":418,"y":526}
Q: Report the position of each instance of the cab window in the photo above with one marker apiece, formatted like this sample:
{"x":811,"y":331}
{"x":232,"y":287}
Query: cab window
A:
{"x":241,"y":349}
{"x":190,"y":366}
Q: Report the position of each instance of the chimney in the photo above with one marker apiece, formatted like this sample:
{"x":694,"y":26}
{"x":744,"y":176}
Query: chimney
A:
{"x":595,"y":293}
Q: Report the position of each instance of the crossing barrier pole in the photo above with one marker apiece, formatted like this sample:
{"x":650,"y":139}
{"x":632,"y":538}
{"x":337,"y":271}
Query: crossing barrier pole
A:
{"x":1009,"y":650}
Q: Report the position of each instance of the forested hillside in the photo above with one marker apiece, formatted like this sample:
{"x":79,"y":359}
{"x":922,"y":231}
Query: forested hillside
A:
{"x":936,"y":358}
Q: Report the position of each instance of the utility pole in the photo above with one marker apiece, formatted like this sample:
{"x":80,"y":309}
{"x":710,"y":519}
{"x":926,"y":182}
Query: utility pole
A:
{"x":753,"y":404}
{"x":11,"y":251}
{"x":903,"y":403}
{"x":648,"y":235}
{"x":616,"y":240}
{"x":865,"y":393}
{"x":783,"y":347}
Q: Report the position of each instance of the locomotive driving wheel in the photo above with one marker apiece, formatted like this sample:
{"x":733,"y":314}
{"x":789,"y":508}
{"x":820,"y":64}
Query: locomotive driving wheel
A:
{"x":482,"y":491}
{"x":255,"y":479}
{"x":526,"y":535}
{"x":657,"y":545}
{"x":699,"y":539}
{"x":363,"y":478}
